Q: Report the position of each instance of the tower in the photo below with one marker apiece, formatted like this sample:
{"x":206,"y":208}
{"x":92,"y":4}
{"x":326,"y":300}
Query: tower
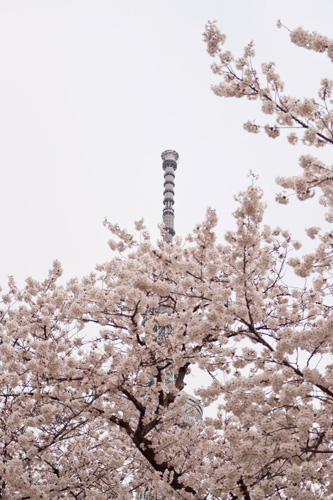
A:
{"x":193,"y":411}
{"x":169,"y":158}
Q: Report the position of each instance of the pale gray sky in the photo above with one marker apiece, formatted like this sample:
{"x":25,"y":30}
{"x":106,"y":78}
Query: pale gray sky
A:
{"x":91,"y":93}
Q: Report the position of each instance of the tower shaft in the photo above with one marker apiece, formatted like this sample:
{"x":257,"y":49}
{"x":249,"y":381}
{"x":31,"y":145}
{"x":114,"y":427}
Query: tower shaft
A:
{"x":169,"y":165}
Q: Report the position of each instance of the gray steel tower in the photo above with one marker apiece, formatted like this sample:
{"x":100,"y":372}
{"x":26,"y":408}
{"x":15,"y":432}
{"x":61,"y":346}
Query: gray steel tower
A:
{"x":192,"y":409}
{"x":169,"y":158}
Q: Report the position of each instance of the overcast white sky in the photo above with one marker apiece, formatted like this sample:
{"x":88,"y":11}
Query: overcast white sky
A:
{"x":91,"y":93}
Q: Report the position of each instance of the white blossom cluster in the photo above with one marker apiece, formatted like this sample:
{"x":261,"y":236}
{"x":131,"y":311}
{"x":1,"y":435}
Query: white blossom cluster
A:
{"x":312,"y":41}
{"x":96,"y":415}
{"x":313,"y":118}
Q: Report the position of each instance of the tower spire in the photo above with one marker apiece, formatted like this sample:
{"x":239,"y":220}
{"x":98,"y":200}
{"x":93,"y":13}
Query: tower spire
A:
{"x":169,"y":165}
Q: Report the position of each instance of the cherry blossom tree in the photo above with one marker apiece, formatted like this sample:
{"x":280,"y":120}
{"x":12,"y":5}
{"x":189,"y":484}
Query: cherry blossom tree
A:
{"x":93,"y":372}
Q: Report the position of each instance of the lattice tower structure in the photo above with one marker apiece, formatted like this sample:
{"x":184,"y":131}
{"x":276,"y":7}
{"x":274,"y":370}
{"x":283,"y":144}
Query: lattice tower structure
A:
{"x":169,"y":165}
{"x":192,"y":406}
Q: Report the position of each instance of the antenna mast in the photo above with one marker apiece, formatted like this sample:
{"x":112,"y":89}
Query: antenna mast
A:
{"x":169,"y":165}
